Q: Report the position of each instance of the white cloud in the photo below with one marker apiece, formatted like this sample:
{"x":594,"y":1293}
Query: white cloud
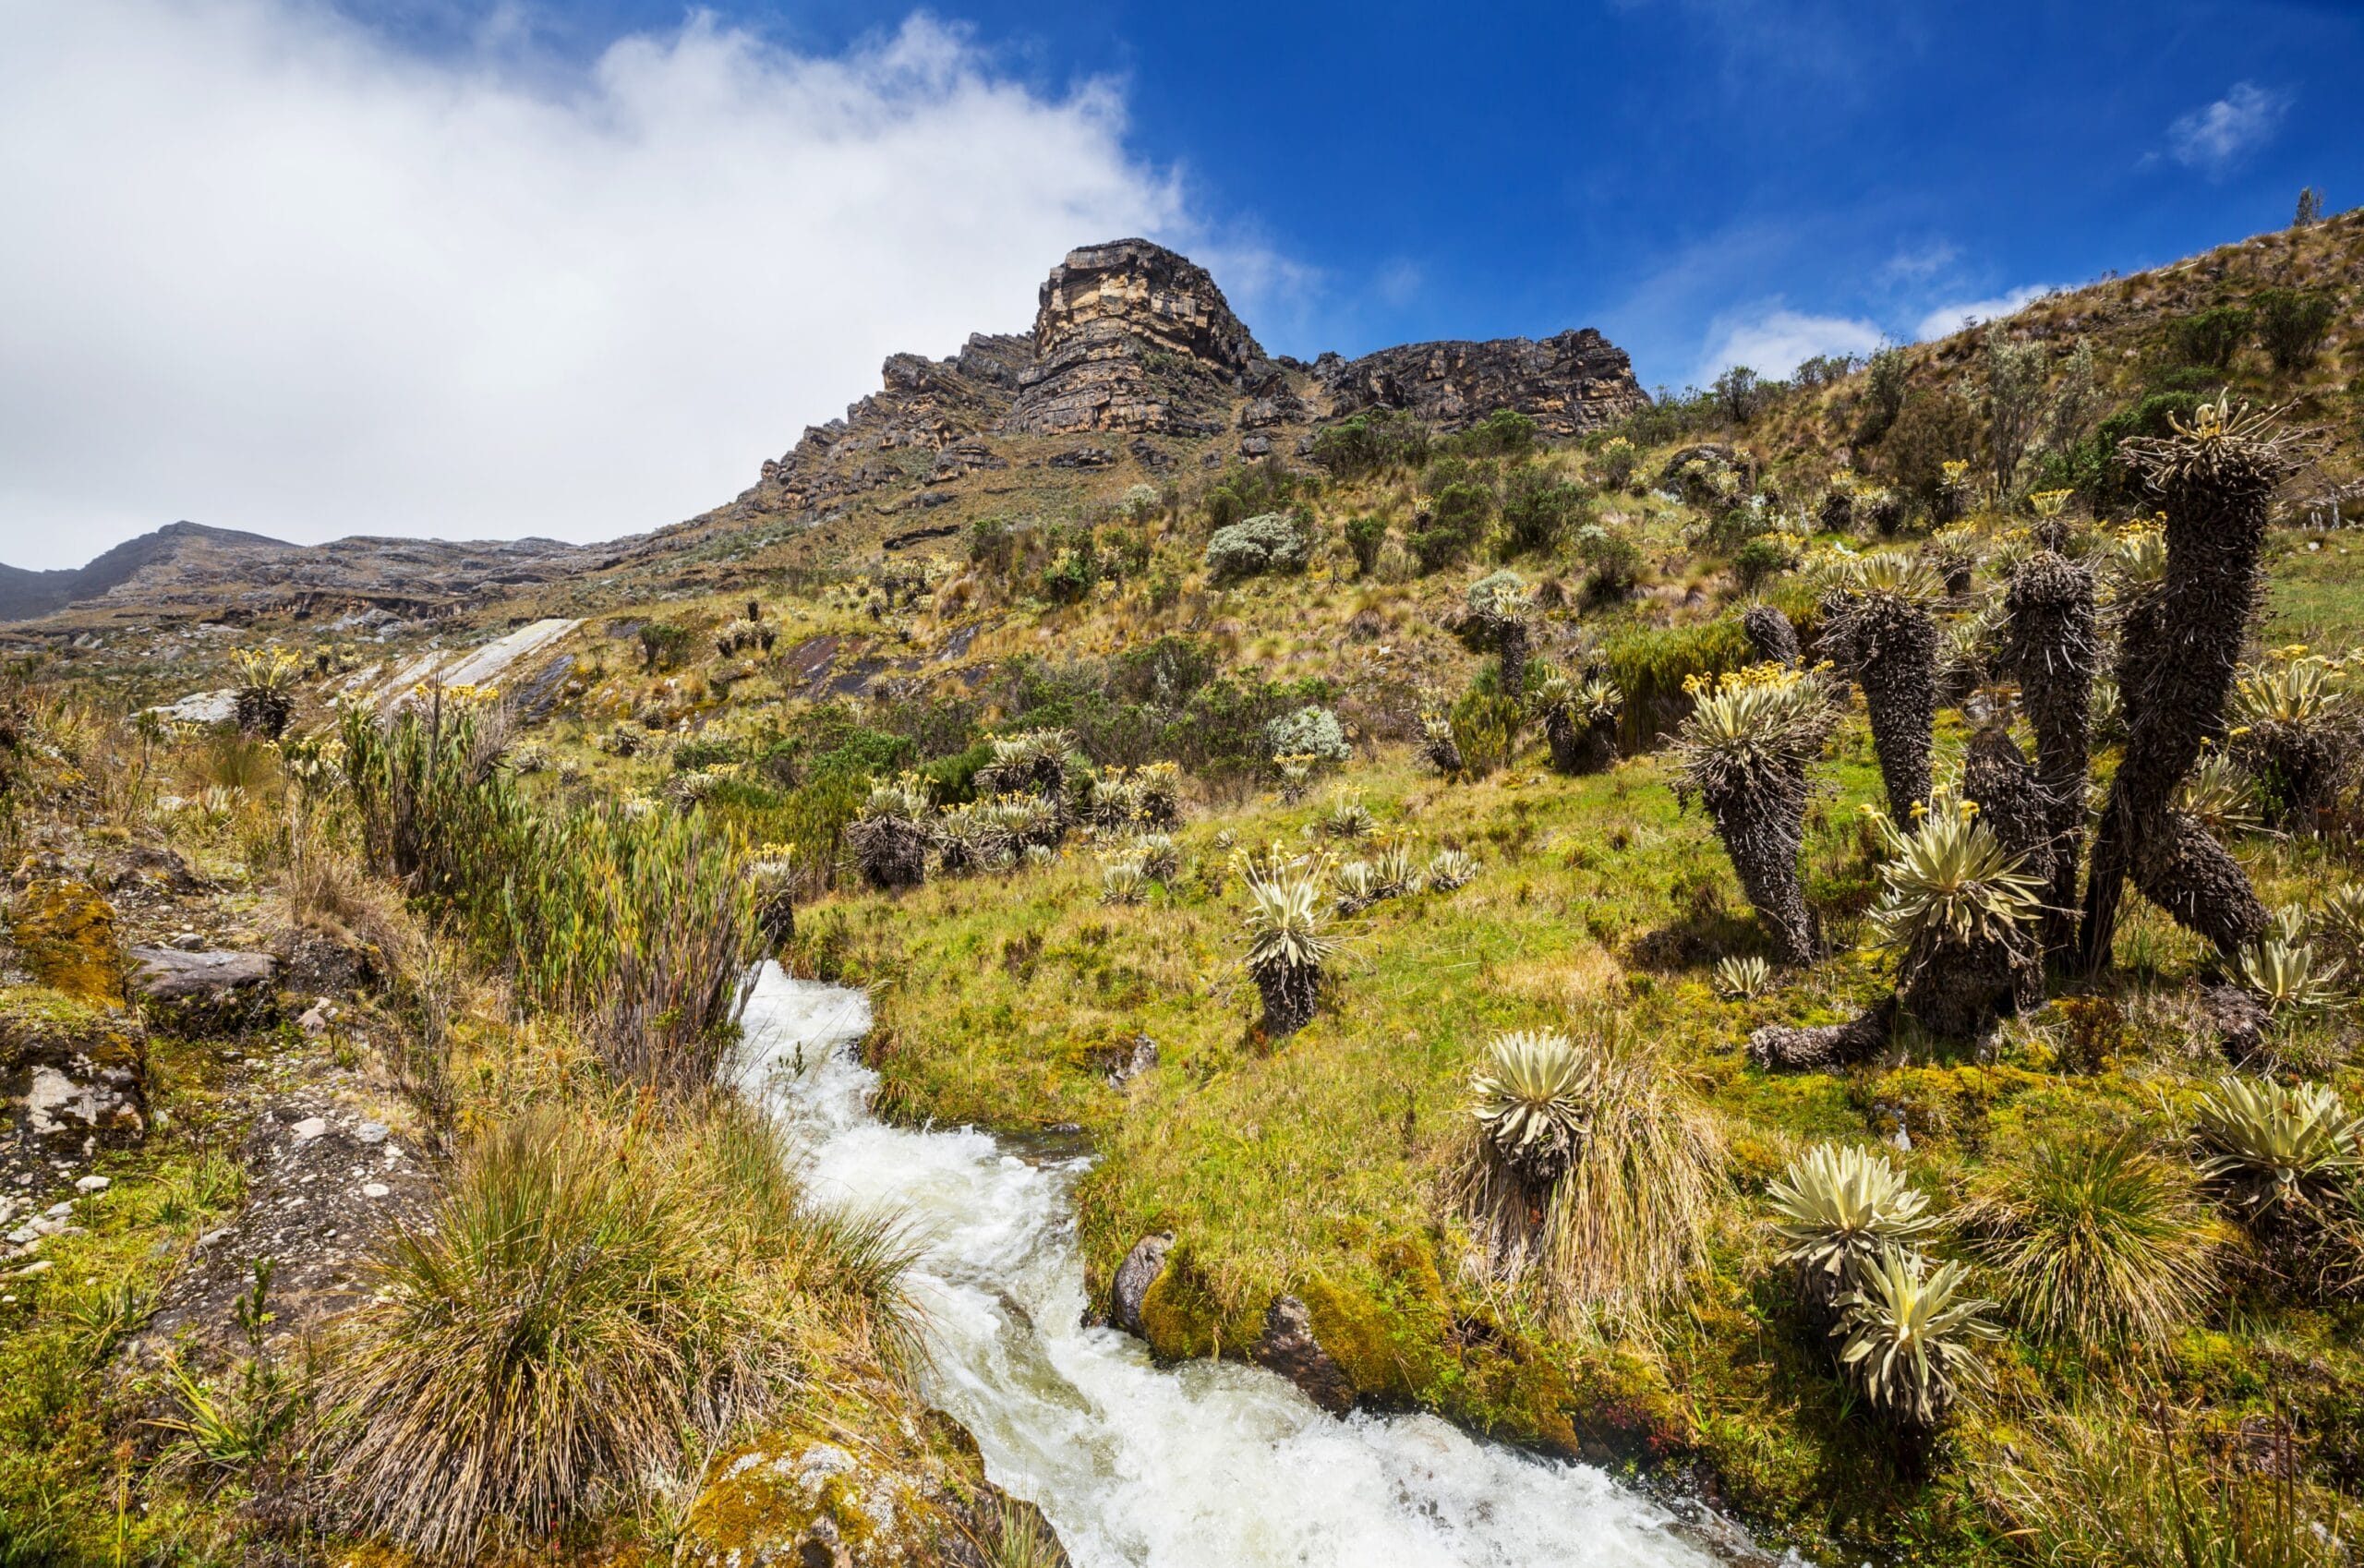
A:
{"x":1947,"y":319}
{"x":267,"y":270}
{"x":2212,"y":139}
{"x":1773,"y":345}
{"x":1921,"y":262}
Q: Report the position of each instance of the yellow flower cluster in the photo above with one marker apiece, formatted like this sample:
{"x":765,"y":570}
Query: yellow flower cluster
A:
{"x":2047,"y":503}
{"x":1768,"y":676}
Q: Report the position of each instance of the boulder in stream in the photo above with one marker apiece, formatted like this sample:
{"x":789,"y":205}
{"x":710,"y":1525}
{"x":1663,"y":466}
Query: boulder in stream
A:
{"x":1134,"y":1276}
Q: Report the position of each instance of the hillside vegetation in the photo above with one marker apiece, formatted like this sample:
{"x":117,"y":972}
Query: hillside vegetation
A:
{"x":1802,"y":944}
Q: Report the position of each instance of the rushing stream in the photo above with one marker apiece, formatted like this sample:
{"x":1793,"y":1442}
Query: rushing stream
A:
{"x":1212,"y":1465}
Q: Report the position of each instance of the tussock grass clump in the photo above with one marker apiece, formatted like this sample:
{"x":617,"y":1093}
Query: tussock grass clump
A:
{"x":2097,"y":1243}
{"x":2108,"y":1485}
{"x":586,"y":1307}
{"x":1585,"y":1164}
{"x":1911,"y":1332}
{"x":1838,"y":1207}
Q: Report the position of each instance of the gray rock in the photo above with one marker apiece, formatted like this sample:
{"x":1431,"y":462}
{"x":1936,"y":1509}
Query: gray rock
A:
{"x":205,"y":993}
{"x":1134,"y":1276}
{"x":1287,"y":1347}
{"x":310,"y":1128}
{"x":370,"y":1132}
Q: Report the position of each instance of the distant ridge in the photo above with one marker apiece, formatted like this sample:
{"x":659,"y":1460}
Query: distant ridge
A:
{"x":25,"y":594}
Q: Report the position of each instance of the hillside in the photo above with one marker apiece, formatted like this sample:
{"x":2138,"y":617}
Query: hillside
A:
{"x":1541,"y":905}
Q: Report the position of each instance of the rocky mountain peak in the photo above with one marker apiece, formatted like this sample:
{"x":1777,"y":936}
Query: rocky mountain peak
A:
{"x":1130,"y":336}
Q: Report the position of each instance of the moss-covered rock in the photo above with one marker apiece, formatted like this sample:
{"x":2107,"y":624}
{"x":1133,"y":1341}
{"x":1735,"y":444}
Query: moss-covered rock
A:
{"x":75,"y":1082}
{"x":64,"y":935}
{"x":913,"y":1496}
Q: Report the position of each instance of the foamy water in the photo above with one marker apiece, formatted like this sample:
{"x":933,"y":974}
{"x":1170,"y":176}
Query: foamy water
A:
{"x":1209,"y":1466}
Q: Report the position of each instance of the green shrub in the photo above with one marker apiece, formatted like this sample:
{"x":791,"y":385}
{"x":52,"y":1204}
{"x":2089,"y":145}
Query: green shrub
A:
{"x":1651,"y":667}
{"x":2292,"y":324}
{"x":1454,"y":525}
{"x":1370,"y":442}
{"x":637,"y":920}
{"x":1764,"y":556}
{"x":1934,"y":427}
{"x":1538,"y":510}
{"x":2214,"y":336}
{"x":1503,"y":433}
{"x":1364,"y":537}
{"x":1612,"y":560}
{"x":1277,"y":541}
{"x":1262,"y":486}
{"x":1309,"y":731}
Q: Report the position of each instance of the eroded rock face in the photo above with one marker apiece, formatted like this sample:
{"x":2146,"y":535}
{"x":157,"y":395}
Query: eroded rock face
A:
{"x":1569,"y":383}
{"x":1132,"y":337}
{"x":74,"y":1085}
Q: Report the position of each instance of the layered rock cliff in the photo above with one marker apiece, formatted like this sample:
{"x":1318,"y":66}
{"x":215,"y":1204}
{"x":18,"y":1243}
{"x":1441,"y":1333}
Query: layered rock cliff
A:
{"x":1133,"y":341}
{"x":1569,"y":383}
{"x":1132,"y":337}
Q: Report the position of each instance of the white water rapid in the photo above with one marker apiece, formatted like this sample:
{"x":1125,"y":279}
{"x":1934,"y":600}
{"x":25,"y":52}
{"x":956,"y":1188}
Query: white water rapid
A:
{"x":1211,"y":1465}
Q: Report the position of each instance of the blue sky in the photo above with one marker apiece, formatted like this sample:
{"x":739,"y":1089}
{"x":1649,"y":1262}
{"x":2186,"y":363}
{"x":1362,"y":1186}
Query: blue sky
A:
{"x":490,"y":268}
{"x":1673,"y":171}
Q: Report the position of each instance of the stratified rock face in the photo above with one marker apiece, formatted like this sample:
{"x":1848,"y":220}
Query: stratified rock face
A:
{"x":925,"y":404}
{"x":1132,"y":337}
{"x":1575,"y":381}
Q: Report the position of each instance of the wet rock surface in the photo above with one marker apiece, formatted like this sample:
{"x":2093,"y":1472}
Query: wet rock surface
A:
{"x":1134,"y":1276}
{"x":797,"y":1501}
{"x":1287,"y":1347}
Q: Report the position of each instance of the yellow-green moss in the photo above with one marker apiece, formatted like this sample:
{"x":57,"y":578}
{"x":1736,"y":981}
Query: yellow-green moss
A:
{"x":66,"y":932}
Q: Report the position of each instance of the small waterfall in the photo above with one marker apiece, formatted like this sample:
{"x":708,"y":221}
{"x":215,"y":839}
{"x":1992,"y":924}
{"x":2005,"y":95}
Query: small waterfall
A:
{"x":1212,"y":1464}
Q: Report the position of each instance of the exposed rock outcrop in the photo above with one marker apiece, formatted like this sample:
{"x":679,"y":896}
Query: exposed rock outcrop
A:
{"x":1134,"y":1276}
{"x":1130,"y":336}
{"x":1286,"y":1346}
{"x":1572,"y":383}
{"x":74,"y":1079}
{"x":194,"y":994}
